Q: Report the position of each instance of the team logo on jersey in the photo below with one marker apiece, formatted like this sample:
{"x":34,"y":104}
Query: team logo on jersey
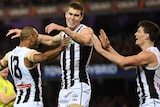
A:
{"x":21,"y":86}
{"x":75,"y":96}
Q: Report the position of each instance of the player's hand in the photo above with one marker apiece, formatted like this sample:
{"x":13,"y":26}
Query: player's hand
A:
{"x":104,"y":39}
{"x":52,"y":27}
{"x":16,"y":31}
{"x":97,"y":44}
{"x":64,"y":42}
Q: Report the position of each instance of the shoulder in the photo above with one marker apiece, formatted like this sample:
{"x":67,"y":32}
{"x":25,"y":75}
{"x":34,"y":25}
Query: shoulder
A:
{"x":146,"y":54}
{"x":85,"y":26}
{"x":31,"y":52}
{"x":86,"y":29}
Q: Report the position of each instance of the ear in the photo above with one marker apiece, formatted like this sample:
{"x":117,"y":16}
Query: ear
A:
{"x":82,"y":17}
{"x":30,"y":38}
{"x":147,"y":36}
{"x":65,"y":14}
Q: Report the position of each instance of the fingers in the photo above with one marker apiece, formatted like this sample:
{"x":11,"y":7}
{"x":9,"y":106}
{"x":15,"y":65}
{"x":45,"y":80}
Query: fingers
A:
{"x":49,"y":28}
{"x":10,"y":32}
{"x":102,"y":34}
{"x":94,"y":37}
{"x":101,"y":39}
{"x":65,"y":42}
{"x":15,"y":36}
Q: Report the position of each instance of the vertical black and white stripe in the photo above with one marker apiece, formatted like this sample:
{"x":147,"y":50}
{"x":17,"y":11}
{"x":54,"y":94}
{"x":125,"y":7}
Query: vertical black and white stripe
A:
{"x":74,"y":62}
{"x":148,"y":80}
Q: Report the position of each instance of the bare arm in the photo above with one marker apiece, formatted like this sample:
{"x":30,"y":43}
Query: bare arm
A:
{"x":42,"y":38}
{"x":84,"y":37}
{"x":4,"y":61}
{"x":35,"y":57}
{"x":50,"y":40}
{"x":6,"y":99}
{"x":126,"y":62}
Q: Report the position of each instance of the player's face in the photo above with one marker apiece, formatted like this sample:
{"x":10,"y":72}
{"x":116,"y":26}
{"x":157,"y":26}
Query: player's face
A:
{"x":140,"y":36}
{"x":73,"y":18}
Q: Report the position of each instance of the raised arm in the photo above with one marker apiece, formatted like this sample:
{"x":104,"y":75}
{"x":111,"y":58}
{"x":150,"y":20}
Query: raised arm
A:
{"x":111,"y":55}
{"x":49,"y":40}
{"x":84,"y":37}
{"x":145,"y":58}
{"x":42,"y":38}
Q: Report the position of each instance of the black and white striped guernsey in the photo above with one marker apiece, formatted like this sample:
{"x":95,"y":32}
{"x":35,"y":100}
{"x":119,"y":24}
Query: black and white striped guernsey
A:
{"x":148,"y":80}
{"x":74,"y":62}
{"x":27,"y":80}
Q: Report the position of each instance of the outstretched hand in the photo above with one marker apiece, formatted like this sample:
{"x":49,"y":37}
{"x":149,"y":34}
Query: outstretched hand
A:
{"x":52,"y":27}
{"x":96,"y":43}
{"x":16,"y":31}
{"x":104,"y":39}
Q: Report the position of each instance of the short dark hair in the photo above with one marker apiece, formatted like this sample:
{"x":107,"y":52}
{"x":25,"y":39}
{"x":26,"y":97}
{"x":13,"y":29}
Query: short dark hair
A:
{"x":76,"y":5}
{"x":151,"y":28}
{"x":26,"y":32}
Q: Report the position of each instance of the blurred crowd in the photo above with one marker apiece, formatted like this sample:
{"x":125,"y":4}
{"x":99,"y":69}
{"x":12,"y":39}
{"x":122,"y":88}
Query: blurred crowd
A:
{"x":16,"y":3}
{"x":24,"y":3}
{"x":28,"y":2}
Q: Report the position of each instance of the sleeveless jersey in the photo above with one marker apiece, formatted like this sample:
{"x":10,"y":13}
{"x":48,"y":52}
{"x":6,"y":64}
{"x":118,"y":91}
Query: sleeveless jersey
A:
{"x":148,"y":80}
{"x":27,"y":80}
{"x":74,"y":62}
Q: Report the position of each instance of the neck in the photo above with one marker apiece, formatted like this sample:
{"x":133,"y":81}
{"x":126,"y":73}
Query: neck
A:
{"x":24,"y":44}
{"x":148,"y":45}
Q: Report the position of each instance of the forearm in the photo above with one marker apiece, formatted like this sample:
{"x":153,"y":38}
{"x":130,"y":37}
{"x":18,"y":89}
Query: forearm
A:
{"x":49,"y":40}
{"x":112,"y":50}
{"x":116,"y":58}
{"x":113,"y":57}
{"x":7,"y":99}
{"x":81,"y":38}
{"x":128,"y":68}
{"x":48,"y":55}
